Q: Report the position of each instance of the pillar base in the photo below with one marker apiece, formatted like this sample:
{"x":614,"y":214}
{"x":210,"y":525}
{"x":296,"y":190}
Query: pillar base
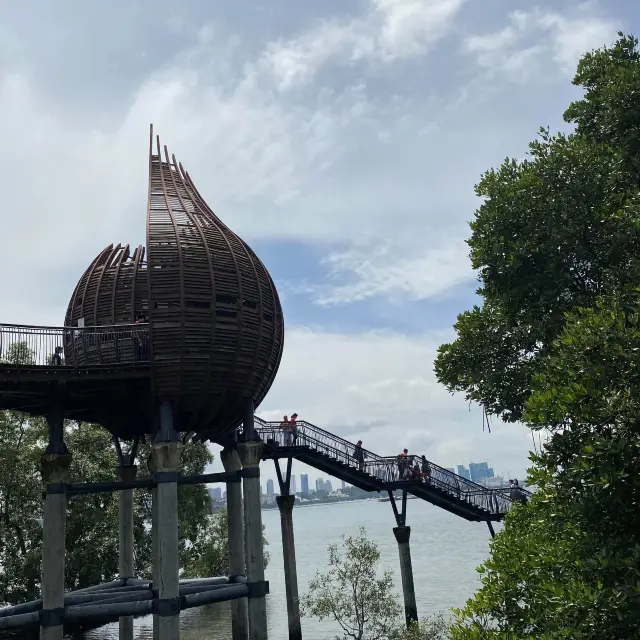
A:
{"x":285,"y":504}
{"x":55,"y":469}
{"x":403,"y":535}
{"x":165,"y":459}
{"x":239,"y":616}
{"x":250,"y":456}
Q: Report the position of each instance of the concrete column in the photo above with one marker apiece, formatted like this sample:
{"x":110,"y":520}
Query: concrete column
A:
{"x":55,"y":470}
{"x":165,"y":465}
{"x":126,"y":474}
{"x":402,"y":535}
{"x":250,"y":454}
{"x":155,"y":574}
{"x":239,"y":620}
{"x":285,"y":504}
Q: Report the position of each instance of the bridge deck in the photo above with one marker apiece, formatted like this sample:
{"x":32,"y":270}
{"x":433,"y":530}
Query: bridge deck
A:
{"x":99,"y":370}
{"x":334,"y":455}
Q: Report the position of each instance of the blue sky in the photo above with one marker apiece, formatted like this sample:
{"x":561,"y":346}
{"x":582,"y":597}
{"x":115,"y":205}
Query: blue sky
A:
{"x":341,"y":140}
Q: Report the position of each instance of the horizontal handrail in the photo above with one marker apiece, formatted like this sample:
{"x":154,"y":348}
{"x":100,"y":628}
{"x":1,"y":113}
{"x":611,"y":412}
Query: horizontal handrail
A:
{"x":409,"y":470}
{"x":33,"y":346}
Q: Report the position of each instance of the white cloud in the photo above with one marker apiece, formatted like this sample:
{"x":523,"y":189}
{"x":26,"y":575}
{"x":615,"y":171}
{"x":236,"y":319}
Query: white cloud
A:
{"x":395,"y":272}
{"x":562,"y":37}
{"x":390,"y":30}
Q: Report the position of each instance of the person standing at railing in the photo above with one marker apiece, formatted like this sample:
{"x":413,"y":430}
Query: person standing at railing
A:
{"x":293,"y":427}
{"x":286,"y":431}
{"x":140,"y":339}
{"x":358,"y":454}
{"x":425,"y":469}
{"x":56,"y":357}
{"x":403,"y":464}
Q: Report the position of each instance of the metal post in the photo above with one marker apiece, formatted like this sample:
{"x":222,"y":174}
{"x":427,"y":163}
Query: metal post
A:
{"x":250,"y":451}
{"x":285,"y":504}
{"x":166,"y":468}
{"x":239,"y":620}
{"x":491,"y":531}
{"x":54,"y":466}
{"x":402,"y":534}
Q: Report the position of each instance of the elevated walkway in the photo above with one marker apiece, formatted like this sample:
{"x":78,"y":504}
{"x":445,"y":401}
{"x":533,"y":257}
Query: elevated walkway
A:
{"x":334,"y":455}
{"x":93,"y":372}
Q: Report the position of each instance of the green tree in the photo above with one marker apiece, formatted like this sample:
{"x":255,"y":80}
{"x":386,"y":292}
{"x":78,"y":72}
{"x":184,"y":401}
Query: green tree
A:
{"x":566,"y":565}
{"x":554,"y":232}
{"x":92,"y":520}
{"x":555,"y":345}
{"x":209,"y":553}
{"x":352,"y":594}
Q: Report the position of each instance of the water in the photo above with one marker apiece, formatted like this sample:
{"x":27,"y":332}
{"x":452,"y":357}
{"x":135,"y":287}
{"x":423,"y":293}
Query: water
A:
{"x":445,"y":551}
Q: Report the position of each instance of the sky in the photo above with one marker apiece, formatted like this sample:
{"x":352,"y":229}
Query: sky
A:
{"x":341,"y":140}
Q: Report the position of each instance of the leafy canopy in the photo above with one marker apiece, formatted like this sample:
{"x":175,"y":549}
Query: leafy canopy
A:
{"x":554,"y":232}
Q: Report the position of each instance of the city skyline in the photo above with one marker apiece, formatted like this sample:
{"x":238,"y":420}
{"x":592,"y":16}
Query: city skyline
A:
{"x":299,"y":470}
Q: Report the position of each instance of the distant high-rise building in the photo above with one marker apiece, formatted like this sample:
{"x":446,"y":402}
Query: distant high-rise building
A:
{"x":480,"y":471}
{"x":327,"y":486}
{"x":261,"y":491}
{"x":344,"y":486}
{"x":224,"y":495}
{"x":304,"y":484}
{"x":216,"y":493}
{"x":464,"y":472}
{"x":270,"y":490}
{"x":319,"y":484}
{"x":293,"y":489}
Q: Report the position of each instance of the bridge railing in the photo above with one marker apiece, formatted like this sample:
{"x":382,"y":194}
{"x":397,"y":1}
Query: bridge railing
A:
{"x":23,"y":345}
{"x":387,"y":469}
{"x":493,"y":500}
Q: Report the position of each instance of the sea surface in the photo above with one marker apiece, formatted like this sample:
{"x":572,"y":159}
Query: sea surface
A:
{"x":445,"y":552}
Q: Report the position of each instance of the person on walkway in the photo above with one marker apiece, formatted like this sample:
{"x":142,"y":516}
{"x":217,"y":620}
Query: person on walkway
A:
{"x":56,"y":358}
{"x":358,"y":454}
{"x":403,"y":464}
{"x":140,"y":339}
{"x":284,"y":425}
{"x":425,"y":469}
{"x":293,"y":427}
{"x":415,"y":472}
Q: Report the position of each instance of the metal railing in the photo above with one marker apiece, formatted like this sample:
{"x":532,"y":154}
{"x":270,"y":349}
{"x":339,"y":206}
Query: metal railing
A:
{"x":27,"y":346}
{"x":389,"y":470}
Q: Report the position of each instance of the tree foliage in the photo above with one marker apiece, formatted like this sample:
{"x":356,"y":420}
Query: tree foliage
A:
{"x":556,"y":345}
{"x":92,"y":520}
{"x":554,"y":232}
{"x":354,"y":595}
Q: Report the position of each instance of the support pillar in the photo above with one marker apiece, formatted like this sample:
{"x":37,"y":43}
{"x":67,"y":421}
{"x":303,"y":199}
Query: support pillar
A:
{"x":125,"y":565}
{"x":285,"y":504}
{"x":491,"y":531}
{"x":54,"y":467}
{"x":250,"y":451}
{"x":239,"y":620}
{"x":165,"y":465}
{"x":402,"y":535}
